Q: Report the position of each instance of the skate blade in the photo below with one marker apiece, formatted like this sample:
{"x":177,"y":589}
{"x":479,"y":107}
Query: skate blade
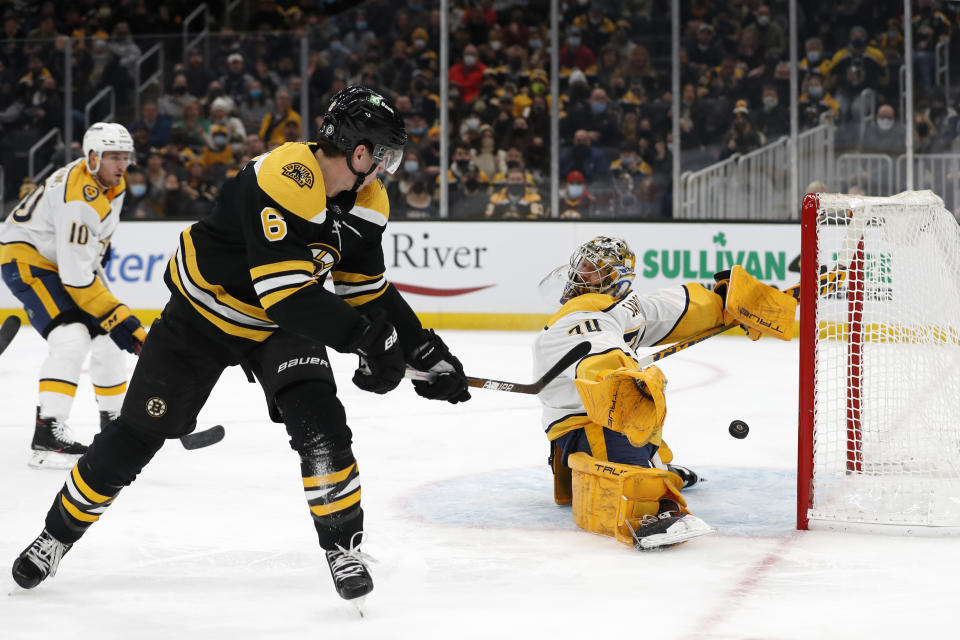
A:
{"x":53,"y":460}
{"x":673,"y":538}
{"x":358,"y":604}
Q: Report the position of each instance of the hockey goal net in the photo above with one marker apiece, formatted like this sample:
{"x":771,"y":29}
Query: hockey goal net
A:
{"x":879,"y":446}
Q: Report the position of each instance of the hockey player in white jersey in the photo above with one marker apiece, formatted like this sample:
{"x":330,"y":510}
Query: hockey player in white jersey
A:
{"x":603,"y":416}
{"x":51,"y":248}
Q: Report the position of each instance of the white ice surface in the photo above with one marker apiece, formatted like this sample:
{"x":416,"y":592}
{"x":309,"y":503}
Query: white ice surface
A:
{"x":217,"y":543}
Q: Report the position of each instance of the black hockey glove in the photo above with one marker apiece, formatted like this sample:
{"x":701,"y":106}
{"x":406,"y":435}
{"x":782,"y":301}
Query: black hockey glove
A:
{"x":434,"y":356}
{"x":124,"y":329}
{"x":381,"y":361}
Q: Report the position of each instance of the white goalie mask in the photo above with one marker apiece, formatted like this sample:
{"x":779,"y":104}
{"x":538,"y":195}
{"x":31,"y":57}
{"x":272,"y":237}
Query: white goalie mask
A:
{"x":106,"y":136}
{"x":602,"y":265}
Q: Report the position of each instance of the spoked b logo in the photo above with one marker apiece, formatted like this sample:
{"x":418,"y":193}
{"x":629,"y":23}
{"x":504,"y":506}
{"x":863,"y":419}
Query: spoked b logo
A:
{"x":156,"y":407}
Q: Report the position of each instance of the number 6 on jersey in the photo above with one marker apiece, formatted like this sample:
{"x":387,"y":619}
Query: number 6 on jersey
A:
{"x":274,"y":227}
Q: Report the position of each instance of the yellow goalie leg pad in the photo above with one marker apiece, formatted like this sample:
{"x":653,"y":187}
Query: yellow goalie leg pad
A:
{"x":762,"y":309}
{"x":607,"y":494}
{"x":628,"y":401}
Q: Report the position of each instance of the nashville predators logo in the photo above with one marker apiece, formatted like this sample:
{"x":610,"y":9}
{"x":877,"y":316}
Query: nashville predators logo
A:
{"x":156,"y":407}
{"x":90,"y":193}
{"x":299,"y":173}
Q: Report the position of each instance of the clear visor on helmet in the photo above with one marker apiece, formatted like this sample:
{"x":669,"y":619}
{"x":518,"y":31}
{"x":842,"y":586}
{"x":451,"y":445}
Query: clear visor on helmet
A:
{"x":389,"y":157}
{"x":122,"y":154}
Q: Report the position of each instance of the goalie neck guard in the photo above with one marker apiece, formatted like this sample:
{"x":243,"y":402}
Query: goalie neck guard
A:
{"x":358,"y":115}
{"x":602,"y":265}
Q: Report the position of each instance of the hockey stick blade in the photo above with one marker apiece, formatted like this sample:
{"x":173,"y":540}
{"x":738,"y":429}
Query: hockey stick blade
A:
{"x":201,"y":439}
{"x":569,"y":358}
{"x":8,"y":331}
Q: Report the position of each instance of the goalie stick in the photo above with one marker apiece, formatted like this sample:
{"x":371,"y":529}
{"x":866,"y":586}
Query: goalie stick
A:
{"x":8,"y":331}
{"x":570,"y":357}
{"x":830,"y":281}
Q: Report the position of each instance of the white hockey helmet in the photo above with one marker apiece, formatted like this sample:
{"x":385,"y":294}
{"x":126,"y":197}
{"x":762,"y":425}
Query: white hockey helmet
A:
{"x":106,"y":136}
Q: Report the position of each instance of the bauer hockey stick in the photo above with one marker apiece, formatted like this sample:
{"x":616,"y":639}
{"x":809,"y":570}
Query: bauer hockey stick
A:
{"x":534,"y":388}
{"x":201,"y":439}
{"x":830,"y":281}
{"x":8,"y":331}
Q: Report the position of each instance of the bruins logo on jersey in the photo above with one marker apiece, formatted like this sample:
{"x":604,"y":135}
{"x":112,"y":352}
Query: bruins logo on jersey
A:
{"x":325,"y":256}
{"x":90,"y":192}
{"x":299,"y":173}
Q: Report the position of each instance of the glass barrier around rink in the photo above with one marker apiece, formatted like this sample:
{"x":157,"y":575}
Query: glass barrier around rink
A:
{"x":203,"y":98}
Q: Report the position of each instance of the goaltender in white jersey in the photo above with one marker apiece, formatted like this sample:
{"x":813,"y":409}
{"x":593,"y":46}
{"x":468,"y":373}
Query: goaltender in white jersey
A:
{"x":51,"y":248}
{"x":604,"y":416}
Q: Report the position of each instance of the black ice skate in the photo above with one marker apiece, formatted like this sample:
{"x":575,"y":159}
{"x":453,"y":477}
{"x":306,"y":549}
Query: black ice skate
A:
{"x":348,"y":567}
{"x":39,"y":561}
{"x":668,"y":528}
{"x":689,"y":476}
{"x":53,"y":445}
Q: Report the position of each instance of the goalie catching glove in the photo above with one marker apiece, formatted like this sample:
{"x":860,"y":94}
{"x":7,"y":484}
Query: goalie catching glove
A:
{"x":628,"y":401}
{"x":381,"y":362}
{"x":449,"y":383}
{"x":758,"y":308}
{"x":124,"y":328}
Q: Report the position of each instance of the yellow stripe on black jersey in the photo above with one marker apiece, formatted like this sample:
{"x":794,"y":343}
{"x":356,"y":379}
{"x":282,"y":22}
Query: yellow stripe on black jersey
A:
{"x":357,"y":288}
{"x":226,"y":312}
{"x":274,"y":282}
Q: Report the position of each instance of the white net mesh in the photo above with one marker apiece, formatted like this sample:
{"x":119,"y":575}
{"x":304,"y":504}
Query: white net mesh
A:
{"x":886,"y":440}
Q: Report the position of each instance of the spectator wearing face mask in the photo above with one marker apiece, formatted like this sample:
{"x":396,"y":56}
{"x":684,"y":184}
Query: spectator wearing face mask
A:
{"x":816,"y":105}
{"x":219,"y":150}
{"x":885,"y":135}
{"x":815,"y":57}
{"x":575,"y":201}
{"x":583,"y":157}
{"x":137,"y":204}
{"x":462,"y":168}
{"x":399,"y":183}
{"x":925,"y":138}
{"x":416,"y":204}
{"x":576,"y":55}
{"x":516,"y":200}
{"x":856,"y":67}
{"x":929,"y":28}
{"x":704,"y":52}
{"x":468,"y":74}
{"x":171,"y":104}
{"x":596,"y":28}
{"x":220,"y":115}
{"x":773,"y":119}
{"x":255,"y":106}
{"x":770,"y":36}
{"x":742,"y":136}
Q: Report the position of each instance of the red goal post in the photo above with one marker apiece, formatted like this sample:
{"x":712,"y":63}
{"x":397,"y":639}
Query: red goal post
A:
{"x":879,"y":423}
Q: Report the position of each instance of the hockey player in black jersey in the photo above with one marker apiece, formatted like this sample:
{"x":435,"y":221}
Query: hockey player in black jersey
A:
{"x":246,"y":285}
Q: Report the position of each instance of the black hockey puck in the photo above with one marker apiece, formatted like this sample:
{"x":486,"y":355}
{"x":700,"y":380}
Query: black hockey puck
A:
{"x":739,"y":429}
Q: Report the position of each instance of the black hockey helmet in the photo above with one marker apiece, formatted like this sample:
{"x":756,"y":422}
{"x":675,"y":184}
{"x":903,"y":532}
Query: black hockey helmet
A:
{"x":357,"y":115}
